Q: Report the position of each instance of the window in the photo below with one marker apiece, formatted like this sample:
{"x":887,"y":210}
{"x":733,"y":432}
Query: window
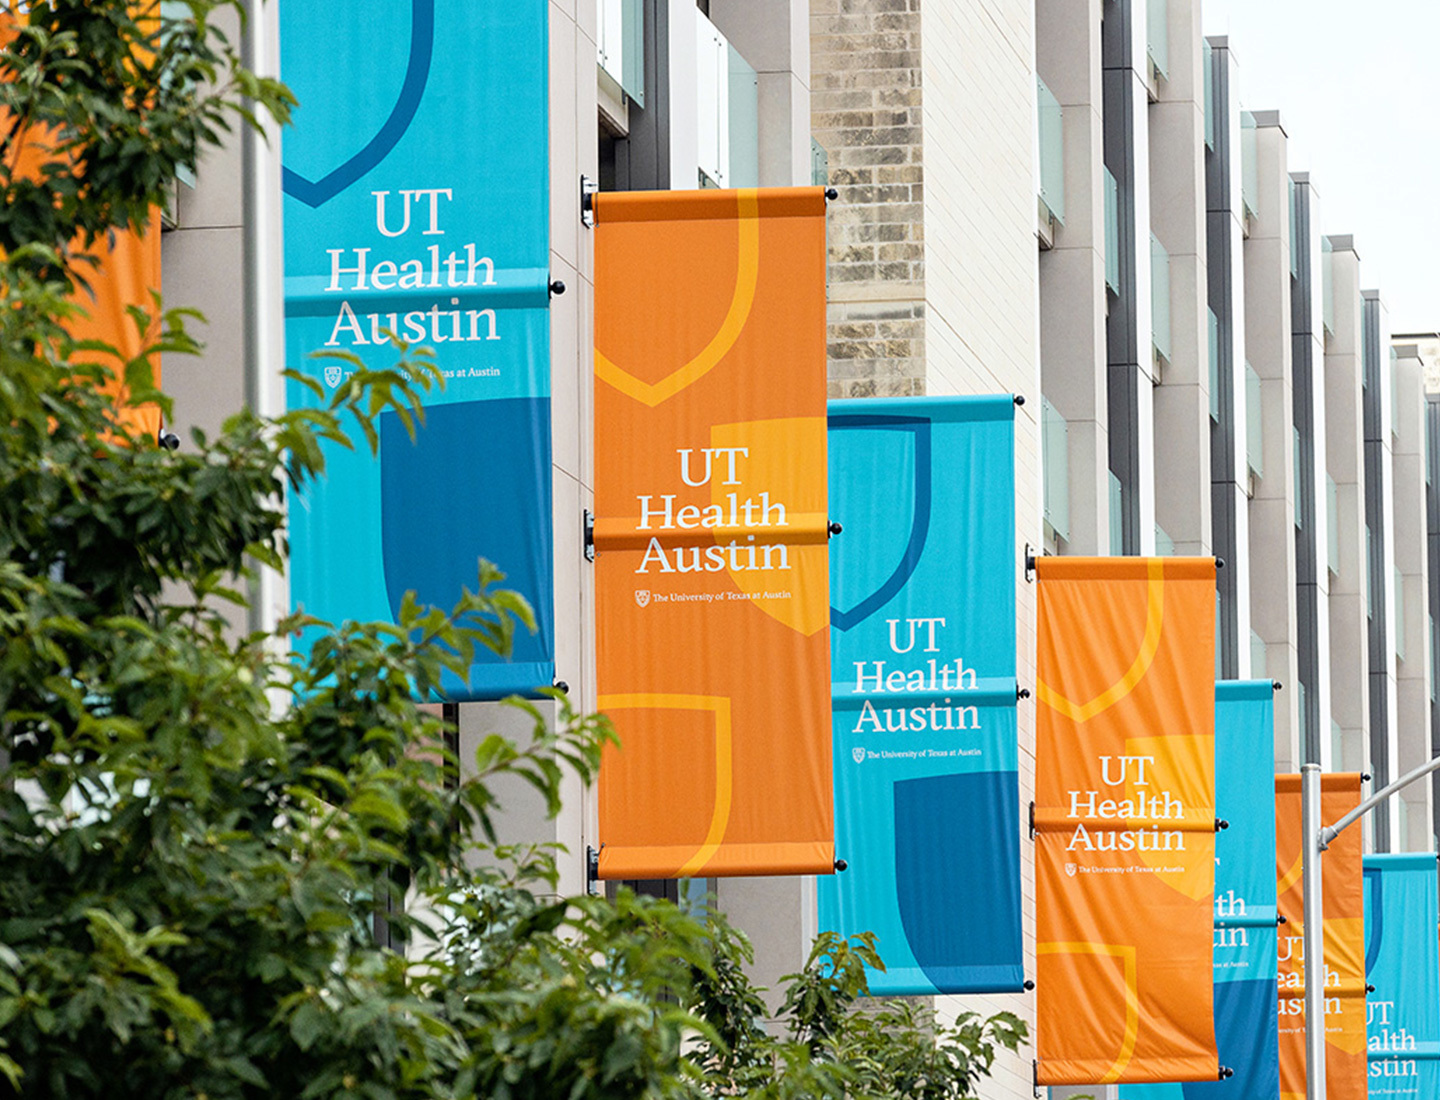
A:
{"x":1249,"y":166}
{"x":1332,"y":522}
{"x":1112,"y":233}
{"x":1254,"y":427}
{"x":728,"y":111}
{"x":1159,"y":298}
{"x":621,"y":49}
{"x":1051,"y":127}
{"x":1055,"y":458}
{"x":1157,"y":37}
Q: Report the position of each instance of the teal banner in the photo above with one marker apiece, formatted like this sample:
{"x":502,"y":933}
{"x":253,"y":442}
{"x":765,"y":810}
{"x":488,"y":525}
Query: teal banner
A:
{"x":1246,"y":962}
{"x":417,"y":207}
{"x":1402,"y":963}
{"x":922,"y":638}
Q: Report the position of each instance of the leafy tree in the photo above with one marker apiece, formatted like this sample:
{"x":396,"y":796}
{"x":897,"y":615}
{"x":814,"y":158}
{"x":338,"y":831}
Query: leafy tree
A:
{"x":233,"y":868}
{"x":831,"y":1046}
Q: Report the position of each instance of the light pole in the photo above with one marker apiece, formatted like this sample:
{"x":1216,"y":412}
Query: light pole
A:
{"x":1317,"y":839}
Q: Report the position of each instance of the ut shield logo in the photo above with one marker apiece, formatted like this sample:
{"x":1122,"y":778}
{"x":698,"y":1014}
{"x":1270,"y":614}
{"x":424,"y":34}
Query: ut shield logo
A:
{"x":642,"y":596}
{"x":875,"y":573}
{"x":333,"y":374}
{"x":315,"y":186}
{"x":859,"y":754}
{"x":1070,"y":870}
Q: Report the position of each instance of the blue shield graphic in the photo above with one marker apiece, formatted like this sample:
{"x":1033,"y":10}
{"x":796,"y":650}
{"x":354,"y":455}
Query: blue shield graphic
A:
{"x":406,"y":102}
{"x":900,"y":445}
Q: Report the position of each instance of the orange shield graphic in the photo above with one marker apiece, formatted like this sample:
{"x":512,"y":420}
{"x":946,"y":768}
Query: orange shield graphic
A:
{"x":1343,"y":886}
{"x":1125,"y":820}
{"x":711,"y":533}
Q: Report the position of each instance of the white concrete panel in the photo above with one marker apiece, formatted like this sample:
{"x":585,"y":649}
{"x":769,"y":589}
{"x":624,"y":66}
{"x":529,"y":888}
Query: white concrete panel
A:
{"x":565,"y":83}
{"x":201,"y":270}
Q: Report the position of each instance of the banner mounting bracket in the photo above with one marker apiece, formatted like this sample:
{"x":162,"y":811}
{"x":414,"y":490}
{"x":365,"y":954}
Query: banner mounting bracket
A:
{"x":587,"y":523}
{"x":592,"y":871}
{"x":1032,"y":821}
{"x":588,"y":189}
{"x":1029,"y":562}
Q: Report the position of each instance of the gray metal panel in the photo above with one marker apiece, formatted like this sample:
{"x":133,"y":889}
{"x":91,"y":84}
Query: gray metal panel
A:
{"x":1375,"y":359}
{"x":1303,"y":394}
{"x":1123,"y":98}
{"x":1220,"y":228}
{"x":642,"y":159}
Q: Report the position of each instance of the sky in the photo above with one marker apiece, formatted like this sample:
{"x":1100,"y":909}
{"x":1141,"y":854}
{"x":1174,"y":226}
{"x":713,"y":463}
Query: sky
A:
{"x":1355,"y":87}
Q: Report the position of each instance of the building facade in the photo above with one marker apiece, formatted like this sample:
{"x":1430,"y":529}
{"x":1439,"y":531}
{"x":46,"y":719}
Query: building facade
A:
{"x":1061,"y":199}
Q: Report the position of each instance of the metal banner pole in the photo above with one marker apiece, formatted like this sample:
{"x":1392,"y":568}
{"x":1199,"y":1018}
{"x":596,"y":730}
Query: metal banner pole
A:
{"x":1313,"y":936}
{"x":1318,"y":837}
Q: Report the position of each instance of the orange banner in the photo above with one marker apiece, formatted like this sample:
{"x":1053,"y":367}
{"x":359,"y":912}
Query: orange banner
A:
{"x":1125,"y":820}
{"x":1343,"y":886}
{"x":125,"y":272}
{"x":711,"y":536}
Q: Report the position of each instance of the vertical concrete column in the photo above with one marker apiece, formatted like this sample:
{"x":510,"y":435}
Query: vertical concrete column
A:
{"x":1129,"y":343}
{"x":1072,"y":271}
{"x":1380,"y":518}
{"x":200,"y":265}
{"x":682,"y":91}
{"x":573,"y":152}
{"x":774,"y":37}
{"x":1178,"y":220}
{"x":1272,"y":505}
{"x":866,"y":111}
{"x":1312,"y":575}
{"x":982,"y":308}
{"x":1225,"y":273}
{"x":1412,"y":598}
{"x":1345,"y":460}
{"x":777,"y":913}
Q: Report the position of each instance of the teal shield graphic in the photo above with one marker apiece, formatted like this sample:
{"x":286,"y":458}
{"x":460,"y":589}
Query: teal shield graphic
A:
{"x":369,"y":151}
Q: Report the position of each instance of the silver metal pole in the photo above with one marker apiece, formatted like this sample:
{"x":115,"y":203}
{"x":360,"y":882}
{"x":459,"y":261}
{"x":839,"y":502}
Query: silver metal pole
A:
{"x":262,"y":267}
{"x":1313,"y":935}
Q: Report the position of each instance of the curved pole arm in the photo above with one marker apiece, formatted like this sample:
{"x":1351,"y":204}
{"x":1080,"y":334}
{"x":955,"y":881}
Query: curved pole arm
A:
{"x":1330,"y":832}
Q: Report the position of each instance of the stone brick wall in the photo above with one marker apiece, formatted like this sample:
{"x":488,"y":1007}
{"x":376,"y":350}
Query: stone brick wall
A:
{"x":938,"y":292}
{"x":865,"y":110}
